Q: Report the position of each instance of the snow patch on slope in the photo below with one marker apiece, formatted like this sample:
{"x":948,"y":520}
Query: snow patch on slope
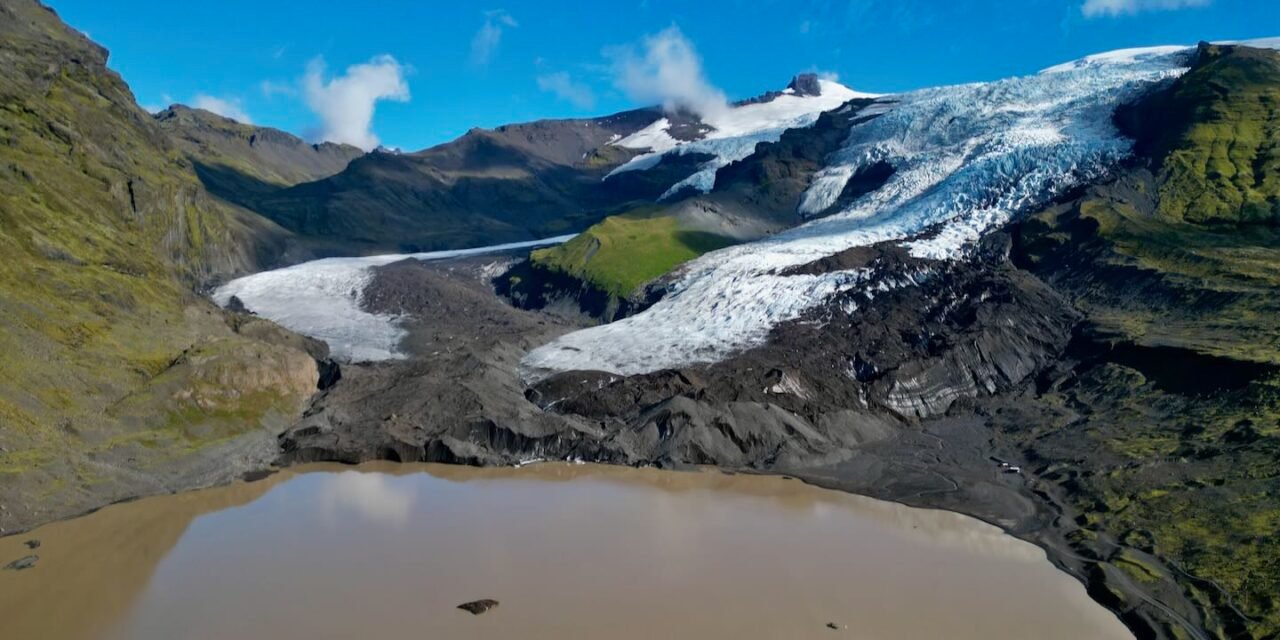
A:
{"x":1135,"y":55}
{"x":321,"y":299}
{"x":967,"y":158}
{"x":736,"y":132}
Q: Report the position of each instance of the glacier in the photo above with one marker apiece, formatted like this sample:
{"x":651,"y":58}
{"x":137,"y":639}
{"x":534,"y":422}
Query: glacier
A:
{"x":735,"y":133}
{"x":968,"y":159}
{"x":321,"y":299}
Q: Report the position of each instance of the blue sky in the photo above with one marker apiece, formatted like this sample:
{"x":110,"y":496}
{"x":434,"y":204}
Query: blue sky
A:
{"x":431,"y":70}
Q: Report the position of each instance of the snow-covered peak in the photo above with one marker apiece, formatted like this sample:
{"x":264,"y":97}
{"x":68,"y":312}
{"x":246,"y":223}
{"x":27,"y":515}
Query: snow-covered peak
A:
{"x":734,"y":132}
{"x":749,"y":118}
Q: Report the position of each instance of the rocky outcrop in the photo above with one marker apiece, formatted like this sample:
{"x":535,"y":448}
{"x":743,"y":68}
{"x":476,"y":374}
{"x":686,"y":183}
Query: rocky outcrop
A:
{"x":805,"y":84}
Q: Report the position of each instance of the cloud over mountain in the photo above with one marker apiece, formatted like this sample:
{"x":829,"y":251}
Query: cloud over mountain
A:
{"x":563,"y":86}
{"x":227,"y":108}
{"x":667,"y":70}
{"x":345,"y":104}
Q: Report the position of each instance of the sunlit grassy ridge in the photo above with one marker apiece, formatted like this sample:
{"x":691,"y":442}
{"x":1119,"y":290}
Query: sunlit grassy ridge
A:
{"x":1224,"y":164}
{"x":621,"y":253}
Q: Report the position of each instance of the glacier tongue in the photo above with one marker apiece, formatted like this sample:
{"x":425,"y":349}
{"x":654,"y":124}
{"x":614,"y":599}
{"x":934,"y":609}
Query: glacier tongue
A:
{"x":968,"y":158}
{"x":321,"y":299}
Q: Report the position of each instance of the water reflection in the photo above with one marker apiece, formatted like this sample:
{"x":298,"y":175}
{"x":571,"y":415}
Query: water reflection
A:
{"x":370,"y":496}
{"x":570,"y":551}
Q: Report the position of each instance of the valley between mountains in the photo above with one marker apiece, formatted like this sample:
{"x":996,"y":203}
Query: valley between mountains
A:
{"x":1049,"y":302}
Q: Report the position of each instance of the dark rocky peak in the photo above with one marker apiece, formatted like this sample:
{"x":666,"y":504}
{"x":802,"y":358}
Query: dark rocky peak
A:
{"x":806,"y":84}
{"x":687,"y":126}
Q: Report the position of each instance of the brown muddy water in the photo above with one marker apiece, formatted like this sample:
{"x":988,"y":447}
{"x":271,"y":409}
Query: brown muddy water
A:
{"x":570,"y":551}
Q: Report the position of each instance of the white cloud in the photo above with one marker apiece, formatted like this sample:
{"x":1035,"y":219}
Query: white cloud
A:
{"x":669,"y":71}
{"x":1096,"y":8}
{"x":485,"y":43}
{"x":227,"y":108}
{"x":345,"y":104}
{"x":271,"y":89}
{"x":564,"y":87}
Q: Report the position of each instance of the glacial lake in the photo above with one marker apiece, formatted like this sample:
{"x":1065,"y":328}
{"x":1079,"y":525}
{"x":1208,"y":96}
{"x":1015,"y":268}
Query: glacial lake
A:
{"x":569,"y":551}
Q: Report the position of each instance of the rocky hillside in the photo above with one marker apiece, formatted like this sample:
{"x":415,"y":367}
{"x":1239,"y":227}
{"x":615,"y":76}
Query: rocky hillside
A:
{"x":119,"y":379}
{"x":528,"y":181}
{"x":512,"y":183}
{"x":236,"y":161}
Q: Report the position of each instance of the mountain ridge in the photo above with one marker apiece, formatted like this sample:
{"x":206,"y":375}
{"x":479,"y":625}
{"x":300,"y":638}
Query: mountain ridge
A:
{"x":218,"y":146}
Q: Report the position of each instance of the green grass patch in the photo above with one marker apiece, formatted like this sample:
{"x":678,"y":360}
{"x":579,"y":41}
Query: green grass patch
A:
{"x":621,"y":253}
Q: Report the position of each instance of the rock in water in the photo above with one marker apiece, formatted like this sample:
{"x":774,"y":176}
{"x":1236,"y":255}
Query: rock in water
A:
{"x":32,"y":544}
{"x":26,"y":562}
{"x":477,"y":607}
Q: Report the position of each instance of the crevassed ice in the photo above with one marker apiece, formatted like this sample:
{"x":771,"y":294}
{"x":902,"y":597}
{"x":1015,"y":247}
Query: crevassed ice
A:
{"x":967,"y":159}
{"x":736,"y":133}
{"x":321,"y":299}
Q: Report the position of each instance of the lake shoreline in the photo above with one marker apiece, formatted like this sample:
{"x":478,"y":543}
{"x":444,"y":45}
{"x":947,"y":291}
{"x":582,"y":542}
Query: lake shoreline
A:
{"x":275,"y":476}
{"x":1046,"y":536}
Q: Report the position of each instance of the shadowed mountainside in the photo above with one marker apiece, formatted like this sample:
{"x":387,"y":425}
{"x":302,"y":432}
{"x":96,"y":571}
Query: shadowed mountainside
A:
{"x":517,"y":182}
{"x":237,"y":161}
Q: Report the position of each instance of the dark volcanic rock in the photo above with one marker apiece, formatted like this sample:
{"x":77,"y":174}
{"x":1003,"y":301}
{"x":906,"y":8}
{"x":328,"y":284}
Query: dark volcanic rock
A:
{"x":767,"y":185}
{"x":806,"y":84}
{"x":32,"y":544}
{"x":478,"y":607}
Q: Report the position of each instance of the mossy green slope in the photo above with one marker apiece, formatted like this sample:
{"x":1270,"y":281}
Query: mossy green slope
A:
{"x":623,"y":252}
{"x":1223,"y":164}
{"x":106,"y":233}
{"x":1177,"y":266}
